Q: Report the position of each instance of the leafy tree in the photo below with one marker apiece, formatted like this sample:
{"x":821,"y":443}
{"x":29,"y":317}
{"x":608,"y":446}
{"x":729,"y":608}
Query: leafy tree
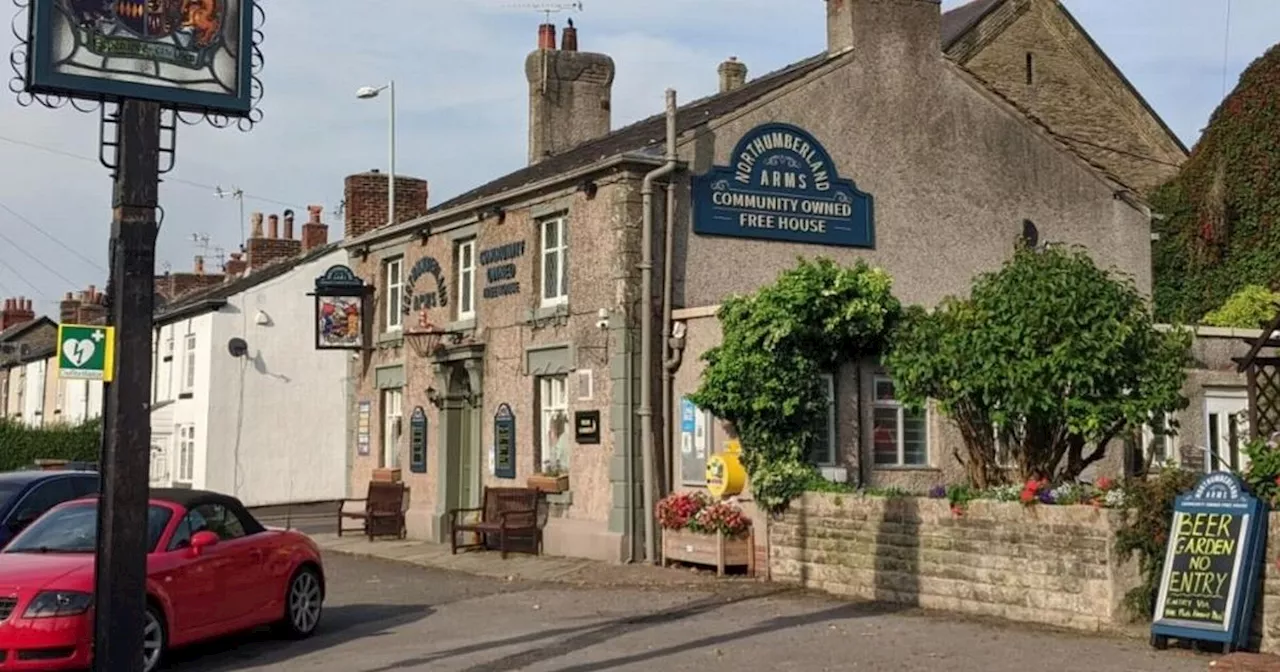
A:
{"x":1248,"y":308}
{"x":764,"y":377}
{"x":1050,"y":355}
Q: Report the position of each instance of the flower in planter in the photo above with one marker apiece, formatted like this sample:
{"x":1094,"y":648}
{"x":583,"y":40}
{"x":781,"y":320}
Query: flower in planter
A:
{"x":677,"y":510}
{"x":721,"y":517}
{"x":938,"y":492}
{"x":1036,"y":491}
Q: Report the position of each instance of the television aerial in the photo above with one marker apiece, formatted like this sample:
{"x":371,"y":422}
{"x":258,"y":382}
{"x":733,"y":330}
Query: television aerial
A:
{"x":548,"y":8}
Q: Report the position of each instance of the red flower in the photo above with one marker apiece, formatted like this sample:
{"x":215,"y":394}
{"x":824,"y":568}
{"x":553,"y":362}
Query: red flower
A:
{"x":1104,"y":484}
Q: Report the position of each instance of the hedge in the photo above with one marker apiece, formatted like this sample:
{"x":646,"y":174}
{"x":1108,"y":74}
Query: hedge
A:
{"x":21,"y":446}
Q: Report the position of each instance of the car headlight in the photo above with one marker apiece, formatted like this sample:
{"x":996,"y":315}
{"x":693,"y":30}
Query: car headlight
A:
{"x":55,"y":603}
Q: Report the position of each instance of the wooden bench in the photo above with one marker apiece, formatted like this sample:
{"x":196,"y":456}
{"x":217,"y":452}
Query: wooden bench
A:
{"x":383,"y":513}
{"x":507,"y":512}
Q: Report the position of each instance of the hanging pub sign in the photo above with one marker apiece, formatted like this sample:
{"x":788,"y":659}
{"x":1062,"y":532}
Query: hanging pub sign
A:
{"x":418,"y":441}
{"x":192,"y":55}
{"x":421,"y":300}
{"x":340,"y":310}
{"x":782,"y":185}
{"x":504,"y":442}
{"x":1212,"y":565}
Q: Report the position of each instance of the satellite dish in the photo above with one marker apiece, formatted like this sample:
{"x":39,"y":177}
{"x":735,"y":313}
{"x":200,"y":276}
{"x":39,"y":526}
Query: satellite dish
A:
{"x":237,"y":347}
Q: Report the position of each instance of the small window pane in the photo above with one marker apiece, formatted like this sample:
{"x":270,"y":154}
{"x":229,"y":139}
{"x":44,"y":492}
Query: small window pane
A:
{"x":884,"y":435}
{"x":550,"y":275}
{"x":884,"y":390}
{"x":551,"y":235}
{"x":915,"y":442}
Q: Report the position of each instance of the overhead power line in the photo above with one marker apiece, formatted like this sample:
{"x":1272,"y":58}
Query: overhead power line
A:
{"x":52,"y":271}
{"x":50,"y":236}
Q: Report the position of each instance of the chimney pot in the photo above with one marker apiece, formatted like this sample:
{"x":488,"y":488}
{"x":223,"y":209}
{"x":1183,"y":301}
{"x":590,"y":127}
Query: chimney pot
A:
{"x":547,"y":37}
{"x":256,"y":220}
{"x":273,"y":226}
{"x":569,"y":39}
{"x":199,"y":267}
{"x":288,"y":224}
{"x":313,"y":213}
{"x":8,"y":305}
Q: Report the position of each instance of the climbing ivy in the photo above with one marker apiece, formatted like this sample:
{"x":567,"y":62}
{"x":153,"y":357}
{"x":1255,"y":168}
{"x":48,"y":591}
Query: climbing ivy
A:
{"x":765,"y":376}
{"x":1248,"y":308}
{"x":1219,"y":218}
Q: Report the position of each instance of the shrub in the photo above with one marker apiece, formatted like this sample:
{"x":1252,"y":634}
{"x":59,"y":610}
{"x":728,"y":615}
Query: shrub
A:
{"x":1146,"y":514}
{"x":21,"y":446}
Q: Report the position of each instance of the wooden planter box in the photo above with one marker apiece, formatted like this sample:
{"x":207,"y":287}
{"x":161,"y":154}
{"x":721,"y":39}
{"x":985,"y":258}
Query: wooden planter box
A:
{"x":714,"y":550}
{"x":546,"y":483}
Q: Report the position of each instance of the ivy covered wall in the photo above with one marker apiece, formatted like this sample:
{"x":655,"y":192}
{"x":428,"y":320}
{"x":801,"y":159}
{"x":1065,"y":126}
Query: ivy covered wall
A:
{"x":1221,"y":226}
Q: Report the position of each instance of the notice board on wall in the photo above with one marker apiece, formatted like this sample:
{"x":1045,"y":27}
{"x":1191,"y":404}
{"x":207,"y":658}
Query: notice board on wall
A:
{"x":1210,"y":580}
{"x":694,"y":439}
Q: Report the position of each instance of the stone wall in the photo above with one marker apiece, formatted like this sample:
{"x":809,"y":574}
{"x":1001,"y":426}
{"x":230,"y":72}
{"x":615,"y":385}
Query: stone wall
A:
{"x":1052,"y":565}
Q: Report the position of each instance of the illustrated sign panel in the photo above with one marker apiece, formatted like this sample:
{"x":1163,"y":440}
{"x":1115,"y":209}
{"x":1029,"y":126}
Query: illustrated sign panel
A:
{"x":364,"y":418}
{"x":86,"y":352}
{"x":190,"y":54}
{"x":504,"y":442}
{"x":782,"y":185}
{"x":418,"y":441}
{"x":1212,"y":564}
{"x":340,"y":310}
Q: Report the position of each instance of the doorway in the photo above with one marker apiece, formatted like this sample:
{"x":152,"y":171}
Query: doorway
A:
{"x":1226,"y":430}
{"x":460,"y":480}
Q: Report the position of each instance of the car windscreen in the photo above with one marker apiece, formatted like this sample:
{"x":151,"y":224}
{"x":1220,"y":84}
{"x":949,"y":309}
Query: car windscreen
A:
{"x":9,"y":490}
{"x":74,"y":529}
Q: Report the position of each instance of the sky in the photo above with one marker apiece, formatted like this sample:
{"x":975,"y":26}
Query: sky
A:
{"x":462,"y":106}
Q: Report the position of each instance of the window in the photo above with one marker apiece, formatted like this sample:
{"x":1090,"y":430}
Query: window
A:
{"x":1158,"y":445}
{"x":168,"y":349}
{"x":823,"y":451}
{"x":555,"y":262}
{"x":74,"y":529}
{"x":186,"y":453}
{"x":395,"y":293}
{"x":189,"y":365}
{"x":391,"y":414}
{"x":466,"y":264}
{"x":899,"y":436}
{"x":215,"y":518}
{"x":553,"y":421}
{"x":43,"y":497}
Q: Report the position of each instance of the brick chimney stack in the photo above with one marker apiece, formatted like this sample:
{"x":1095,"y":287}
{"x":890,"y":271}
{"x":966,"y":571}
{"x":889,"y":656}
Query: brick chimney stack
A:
{"x":569,"y":94}
{"x":901,"y":36}
{"x":235,"y":266}
{"x":314,"y":233}
{"x":365,"y":196}
{"x":16,"y":311}
{"x":87,"y":306}
{"x":271,"y":249}
{"x":733,"y":74}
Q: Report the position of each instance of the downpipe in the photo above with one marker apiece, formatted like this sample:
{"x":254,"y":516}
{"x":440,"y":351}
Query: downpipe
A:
{"x":672,"y":344}
{"x":645,"y":411}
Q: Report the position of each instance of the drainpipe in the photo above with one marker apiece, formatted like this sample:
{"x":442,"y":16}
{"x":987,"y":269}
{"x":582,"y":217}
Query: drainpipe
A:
{"x":672,"y":344}
{"x":646,"y":331}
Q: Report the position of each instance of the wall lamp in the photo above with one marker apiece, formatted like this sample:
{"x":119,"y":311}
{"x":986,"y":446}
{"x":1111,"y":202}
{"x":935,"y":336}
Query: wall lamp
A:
{"x":433,"y":396}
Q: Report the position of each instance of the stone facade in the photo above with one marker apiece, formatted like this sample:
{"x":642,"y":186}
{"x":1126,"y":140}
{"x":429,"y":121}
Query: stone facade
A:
{"x":1053,"y":565}
{"x":1036,"y":54}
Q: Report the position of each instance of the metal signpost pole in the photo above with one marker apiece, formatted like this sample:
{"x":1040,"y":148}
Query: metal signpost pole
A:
{"x":121,"y":563}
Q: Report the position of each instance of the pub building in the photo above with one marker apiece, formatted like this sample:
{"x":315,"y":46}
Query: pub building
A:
{"x":508,"y":327}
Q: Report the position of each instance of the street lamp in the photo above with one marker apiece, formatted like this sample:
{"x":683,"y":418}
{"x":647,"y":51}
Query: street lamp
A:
{"x":365,"y":93}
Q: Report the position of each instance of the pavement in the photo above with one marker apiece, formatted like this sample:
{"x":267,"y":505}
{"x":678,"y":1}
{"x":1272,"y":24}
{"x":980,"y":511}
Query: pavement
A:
{"x":419,"y":608}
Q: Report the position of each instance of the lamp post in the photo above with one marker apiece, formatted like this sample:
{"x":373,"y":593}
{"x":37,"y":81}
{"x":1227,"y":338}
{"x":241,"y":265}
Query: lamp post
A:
{"x":364,"y":93}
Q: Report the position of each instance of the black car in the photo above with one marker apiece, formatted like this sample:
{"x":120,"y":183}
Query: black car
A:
{"x":26,"y":495}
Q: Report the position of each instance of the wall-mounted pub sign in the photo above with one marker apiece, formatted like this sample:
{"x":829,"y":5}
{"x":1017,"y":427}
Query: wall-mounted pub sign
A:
{"x":782,"y":185}
{"x":419,"y":299}
{"x":500,"y":269}
{"x":504,"y":442}
{"x":586,"y":427}
{"x":1209,"y":584}
{"x":418,"y":441}
{"x":340,"y":310}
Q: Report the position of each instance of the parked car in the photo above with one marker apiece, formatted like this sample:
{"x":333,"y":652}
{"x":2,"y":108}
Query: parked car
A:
{"x":26,"y":495}
{"x":212,"y":570}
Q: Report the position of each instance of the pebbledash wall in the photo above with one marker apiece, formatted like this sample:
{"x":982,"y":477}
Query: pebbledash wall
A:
{"x":1054,"y":565}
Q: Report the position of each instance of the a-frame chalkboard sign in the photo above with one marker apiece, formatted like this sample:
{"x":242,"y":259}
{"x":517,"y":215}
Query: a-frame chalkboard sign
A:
{"x":1212,"y":565}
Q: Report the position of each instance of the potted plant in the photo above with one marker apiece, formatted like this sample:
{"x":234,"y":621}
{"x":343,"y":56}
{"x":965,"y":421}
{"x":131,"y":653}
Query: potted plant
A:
{"x":553,"y":478}
{"x":700,"y":531}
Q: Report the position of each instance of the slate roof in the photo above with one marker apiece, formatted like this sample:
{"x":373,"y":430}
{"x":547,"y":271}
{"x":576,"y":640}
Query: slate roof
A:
{"x":650,"y":133}
{"x":211,"y":298}
{"x":23,"y":327}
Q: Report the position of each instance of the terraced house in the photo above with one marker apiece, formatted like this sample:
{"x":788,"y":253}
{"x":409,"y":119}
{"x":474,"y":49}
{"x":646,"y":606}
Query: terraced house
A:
{"x":552,"y":319}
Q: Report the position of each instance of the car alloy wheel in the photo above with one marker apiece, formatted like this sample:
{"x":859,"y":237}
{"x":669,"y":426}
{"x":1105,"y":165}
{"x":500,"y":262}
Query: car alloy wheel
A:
{"x":305,"y":602}
{"x":152,"y":641}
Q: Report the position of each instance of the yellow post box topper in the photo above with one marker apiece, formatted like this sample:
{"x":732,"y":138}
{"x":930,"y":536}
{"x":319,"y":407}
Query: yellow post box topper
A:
{"x":725,"y":474}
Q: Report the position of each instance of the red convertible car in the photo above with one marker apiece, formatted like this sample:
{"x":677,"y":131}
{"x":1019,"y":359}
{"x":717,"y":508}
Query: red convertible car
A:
{"x":212,"y":569}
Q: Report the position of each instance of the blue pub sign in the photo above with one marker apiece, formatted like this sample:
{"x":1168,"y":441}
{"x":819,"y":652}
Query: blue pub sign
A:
{"x":1210,"y":580}
{"x":782,"y":185}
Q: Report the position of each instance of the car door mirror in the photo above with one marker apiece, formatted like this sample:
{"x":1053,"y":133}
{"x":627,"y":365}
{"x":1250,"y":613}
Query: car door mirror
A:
{"x":202,"y":540}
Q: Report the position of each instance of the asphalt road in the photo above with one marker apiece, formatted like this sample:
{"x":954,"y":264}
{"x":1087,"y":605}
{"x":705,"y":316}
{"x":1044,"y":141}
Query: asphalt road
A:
{"x":387,"y":617}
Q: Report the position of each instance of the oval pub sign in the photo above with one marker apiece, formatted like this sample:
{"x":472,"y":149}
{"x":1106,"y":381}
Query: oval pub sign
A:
{"x":782,"y":185}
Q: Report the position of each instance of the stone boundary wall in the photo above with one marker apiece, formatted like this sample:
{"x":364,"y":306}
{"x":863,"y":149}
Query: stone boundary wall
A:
{"x":1052,"y":565}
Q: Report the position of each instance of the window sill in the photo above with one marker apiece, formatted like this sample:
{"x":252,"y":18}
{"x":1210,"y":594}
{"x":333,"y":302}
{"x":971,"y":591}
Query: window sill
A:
{"x":834,"y":474}
{"x":467,"y":324}
{"x":557,"y":311}
{"x":391,"y":339}
{"x":904,"y":467}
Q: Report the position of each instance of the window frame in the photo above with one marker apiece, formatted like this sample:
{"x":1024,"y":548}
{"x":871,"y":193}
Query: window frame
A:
{"x":466,"y":278}
{"x":189,"y":364}
{"x":548,"y":405}
{"x":833,"y":457}
{"x":394,"y":288}
{"x":560,"y":251}
{"x":186,"y":463}
{"x":901,"y":411}
{"x":392,"y":427}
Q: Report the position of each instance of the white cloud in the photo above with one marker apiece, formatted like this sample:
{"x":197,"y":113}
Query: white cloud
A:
{"x":462,"y":103}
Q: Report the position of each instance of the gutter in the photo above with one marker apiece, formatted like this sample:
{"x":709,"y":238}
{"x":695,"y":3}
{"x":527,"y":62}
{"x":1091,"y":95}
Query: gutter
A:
{"x":645,"y":411}
{"x":503,"y":196}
